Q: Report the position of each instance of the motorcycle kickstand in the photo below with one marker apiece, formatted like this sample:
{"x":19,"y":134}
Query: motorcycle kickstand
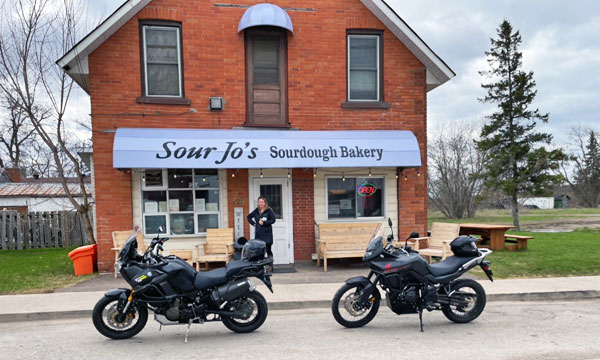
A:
{"x":421,"y":318}
{"x":187,"y":331}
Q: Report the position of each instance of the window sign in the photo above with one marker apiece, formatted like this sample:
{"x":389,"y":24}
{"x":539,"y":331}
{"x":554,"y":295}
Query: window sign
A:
{"x":345,"y":200}
{"x":366,"y":189}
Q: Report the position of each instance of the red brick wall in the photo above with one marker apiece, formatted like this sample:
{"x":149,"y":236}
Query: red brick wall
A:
{"x":303,"y":200}
{"x":213,"y":53}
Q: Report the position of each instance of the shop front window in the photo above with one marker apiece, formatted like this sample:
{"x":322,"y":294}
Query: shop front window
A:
{"x":355,"y":197}
{"x":184,"y":201}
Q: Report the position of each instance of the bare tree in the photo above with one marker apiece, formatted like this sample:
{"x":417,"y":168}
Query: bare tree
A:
{"x":34,"y":34}
{"x":16,"y":134}
{"x":455,"y":166}
{"x":581,"y":170}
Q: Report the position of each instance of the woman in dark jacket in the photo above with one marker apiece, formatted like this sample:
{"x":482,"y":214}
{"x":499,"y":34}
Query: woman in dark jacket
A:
{"x":262,"y":218}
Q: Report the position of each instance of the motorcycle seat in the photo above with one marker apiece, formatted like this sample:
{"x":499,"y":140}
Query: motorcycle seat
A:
{"x":233,"y":267}
{"x":448,"y":266}
{"x":205,"y":280}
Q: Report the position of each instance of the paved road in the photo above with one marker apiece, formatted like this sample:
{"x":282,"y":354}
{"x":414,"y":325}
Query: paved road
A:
{"x":506,"y":330}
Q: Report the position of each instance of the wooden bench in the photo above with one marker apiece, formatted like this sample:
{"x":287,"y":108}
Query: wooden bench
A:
{"x":520,"y":240}
{"x":218,"y":247}
{"x":343,"y":240}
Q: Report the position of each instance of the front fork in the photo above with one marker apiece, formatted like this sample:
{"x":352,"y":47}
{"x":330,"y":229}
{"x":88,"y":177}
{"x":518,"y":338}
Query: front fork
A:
{"x":124,"y":303}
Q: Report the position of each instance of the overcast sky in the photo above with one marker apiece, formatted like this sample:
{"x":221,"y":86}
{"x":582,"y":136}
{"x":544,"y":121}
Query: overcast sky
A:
{"x":560,"y":44}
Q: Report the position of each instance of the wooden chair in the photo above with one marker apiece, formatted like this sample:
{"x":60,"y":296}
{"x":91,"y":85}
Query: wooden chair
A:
{"x":218,"y":247}
{"x":438,"y":244}
{"x":186,"y":255}
{"x":119,"y":238}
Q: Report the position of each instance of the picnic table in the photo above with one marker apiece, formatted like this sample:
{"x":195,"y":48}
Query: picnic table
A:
{"x":494,"y":234}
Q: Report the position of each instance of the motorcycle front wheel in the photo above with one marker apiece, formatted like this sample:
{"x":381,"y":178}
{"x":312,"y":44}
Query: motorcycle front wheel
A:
{"x":348,"y":312}
{"x":250,"y":313}
{"x":466,"y":301}
{"x":112,"y":324}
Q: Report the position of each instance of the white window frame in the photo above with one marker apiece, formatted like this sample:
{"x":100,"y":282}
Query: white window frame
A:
{"x":170,"y":28}
{"x":165,"y":187}
{"x":362,"y":218}
{"x":377,"y":62}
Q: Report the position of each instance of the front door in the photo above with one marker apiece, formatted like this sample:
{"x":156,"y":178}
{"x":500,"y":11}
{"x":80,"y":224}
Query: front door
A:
{"x":278,"y":195}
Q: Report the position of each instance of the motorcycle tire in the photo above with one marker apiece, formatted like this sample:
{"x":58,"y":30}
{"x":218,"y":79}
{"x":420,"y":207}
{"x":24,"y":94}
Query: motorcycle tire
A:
{"x":105,"y":319}
{"x":369,"y":313}
{"x":460,"y":315}
{"x":248,"y":325}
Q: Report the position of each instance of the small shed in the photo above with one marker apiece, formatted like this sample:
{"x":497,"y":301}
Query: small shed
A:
{"x":561,"y":201}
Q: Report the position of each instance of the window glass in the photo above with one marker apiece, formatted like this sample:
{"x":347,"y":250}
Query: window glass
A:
{"x":162,"y":61}
{"x":273,"y":195}
{"x":355,"y":197}
{"x":341,"y":198}
{"x":370,"y":197}
{"x":180,"y":178}
{"x":153,"y":178}
{"x":265,"y":55}
{"x":363,"y":64}
{"x":189,"y":203}
{"x":182,"y":224}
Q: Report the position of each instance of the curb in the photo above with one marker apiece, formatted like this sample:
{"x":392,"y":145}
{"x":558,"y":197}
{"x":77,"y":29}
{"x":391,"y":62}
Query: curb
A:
{"x":293,"y":305}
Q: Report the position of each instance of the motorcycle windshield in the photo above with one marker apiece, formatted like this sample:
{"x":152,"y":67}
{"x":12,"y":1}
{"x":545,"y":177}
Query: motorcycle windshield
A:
{"x":130,"y":247}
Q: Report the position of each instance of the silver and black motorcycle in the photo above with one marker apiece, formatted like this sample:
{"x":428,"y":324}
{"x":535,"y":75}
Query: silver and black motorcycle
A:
{"x":411,"y":285}
{"x":177,"y":294}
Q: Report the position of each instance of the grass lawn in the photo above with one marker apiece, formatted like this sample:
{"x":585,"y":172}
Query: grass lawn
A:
{"x":525,"y":216}
{"x":574,"y":253}
{"x":36,"y":270}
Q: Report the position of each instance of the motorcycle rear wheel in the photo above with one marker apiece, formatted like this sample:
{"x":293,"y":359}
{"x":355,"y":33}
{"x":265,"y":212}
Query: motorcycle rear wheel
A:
{"x":346,"y":310}
{"x":254,"y":302}
{"x":465,"y":290}
{"x":108,"y":323}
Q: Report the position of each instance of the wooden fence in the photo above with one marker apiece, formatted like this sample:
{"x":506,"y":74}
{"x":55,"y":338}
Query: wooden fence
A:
{"x":34,"y":230}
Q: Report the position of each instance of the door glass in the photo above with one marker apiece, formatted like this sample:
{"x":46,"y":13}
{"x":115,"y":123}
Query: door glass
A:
{"x":273,"y":195}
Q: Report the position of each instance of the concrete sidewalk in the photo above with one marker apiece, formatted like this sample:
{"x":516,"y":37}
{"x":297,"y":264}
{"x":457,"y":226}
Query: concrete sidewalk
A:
{"x":296,"y":295}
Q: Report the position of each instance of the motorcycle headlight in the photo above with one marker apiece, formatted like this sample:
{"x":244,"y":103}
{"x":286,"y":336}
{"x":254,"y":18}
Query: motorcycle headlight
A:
{"x":118,"y":266}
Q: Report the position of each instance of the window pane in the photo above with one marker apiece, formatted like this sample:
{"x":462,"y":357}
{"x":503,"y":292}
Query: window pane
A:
{"x":180,"y":178}
{"x":153,"y":222}
{"x":363,"y":53}
{"x":341,"y":198}
{"x":181,"y":200}
{"x":207,"y":221}
{"x":370,"y":197}
{"x":161,"y":36}
{"x":155,"y":201}
{"x":273,"y":195}
{"x":265,"y":59}
{"x":182,"y":224}
{"x":163,"y":79}
{"x":206,"y":178}
{"x":363,"y":85}
{"x":153,"y":177}
{"x":161,"y":54}
{"x":207,"y":200}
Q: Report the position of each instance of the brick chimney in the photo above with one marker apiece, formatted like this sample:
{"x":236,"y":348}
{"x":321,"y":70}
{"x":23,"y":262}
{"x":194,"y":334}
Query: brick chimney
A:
{"x":14,"y":174}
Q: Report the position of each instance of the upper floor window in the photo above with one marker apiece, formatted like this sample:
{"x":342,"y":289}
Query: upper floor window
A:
{"x":162,"y":63}
{"x":365,"y":69}
{"x":266,"y":77}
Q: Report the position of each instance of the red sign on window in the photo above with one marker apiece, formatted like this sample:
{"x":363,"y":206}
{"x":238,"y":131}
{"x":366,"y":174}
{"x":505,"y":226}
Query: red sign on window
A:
{"x":366,"y":189}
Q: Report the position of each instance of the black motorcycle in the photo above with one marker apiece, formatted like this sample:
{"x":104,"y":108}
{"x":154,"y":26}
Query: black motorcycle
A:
{"x":412,"y":285}
{"x":177,"y":294}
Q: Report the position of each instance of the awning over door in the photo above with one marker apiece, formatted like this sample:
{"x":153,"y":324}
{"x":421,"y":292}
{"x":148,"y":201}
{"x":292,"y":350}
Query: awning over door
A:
{"x":262,"y":149}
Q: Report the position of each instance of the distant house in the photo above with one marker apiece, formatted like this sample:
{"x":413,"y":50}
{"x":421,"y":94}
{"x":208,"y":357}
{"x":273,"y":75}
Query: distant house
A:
{"x":561,"y":201}
{"x":538,"y":202}
{"x":36,"y":194}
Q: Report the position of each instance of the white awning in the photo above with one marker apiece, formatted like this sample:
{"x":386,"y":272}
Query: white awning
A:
{"x":262,"y":149}
{"x":265,"y":15}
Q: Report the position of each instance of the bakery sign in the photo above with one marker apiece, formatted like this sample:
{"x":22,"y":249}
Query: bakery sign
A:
{"x":253,"y":149}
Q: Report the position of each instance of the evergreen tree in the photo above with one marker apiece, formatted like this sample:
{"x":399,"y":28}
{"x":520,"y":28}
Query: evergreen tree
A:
{"x":587,"y":174}
{"x":518,"y":162}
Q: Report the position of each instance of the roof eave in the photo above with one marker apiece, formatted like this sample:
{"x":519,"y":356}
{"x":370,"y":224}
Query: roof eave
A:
{"x":438,"y":72}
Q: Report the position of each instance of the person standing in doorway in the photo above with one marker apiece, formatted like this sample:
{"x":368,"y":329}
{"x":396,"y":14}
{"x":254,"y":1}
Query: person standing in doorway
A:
{"x":262,"y":218}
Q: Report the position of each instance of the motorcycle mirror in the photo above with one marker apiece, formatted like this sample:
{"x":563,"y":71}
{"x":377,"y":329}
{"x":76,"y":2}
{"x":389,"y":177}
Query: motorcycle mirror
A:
{"x":161,"y":229}
{"x":390,"y":222}
{"x":414,"y":234}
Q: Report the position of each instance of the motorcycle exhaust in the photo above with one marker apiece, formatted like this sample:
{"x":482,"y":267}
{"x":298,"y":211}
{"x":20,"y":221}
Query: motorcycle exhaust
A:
{"x":232,"y":290}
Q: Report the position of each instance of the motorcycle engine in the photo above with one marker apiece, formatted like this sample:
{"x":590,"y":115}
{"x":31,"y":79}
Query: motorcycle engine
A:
{"x":173,"y":312}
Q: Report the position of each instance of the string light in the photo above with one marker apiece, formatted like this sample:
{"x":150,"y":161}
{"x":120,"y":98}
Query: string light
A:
{"x":418,"y":173}
{"x":405,"y":176}
{"x":289,"y":175}
{"x":203,"y":179}
{"x":397,"y":173}
{"x":343,"y":177}
{"x":232,"y":174}
{"x":315,"y":173}
{"x":261,"y":174}
{"x":369,"y":172}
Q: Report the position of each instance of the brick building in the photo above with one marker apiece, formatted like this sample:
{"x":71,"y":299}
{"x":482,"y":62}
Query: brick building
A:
{"x":200,"y":106}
